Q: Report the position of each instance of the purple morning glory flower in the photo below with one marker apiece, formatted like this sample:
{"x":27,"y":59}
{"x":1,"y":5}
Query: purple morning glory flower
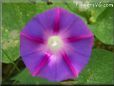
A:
{"x":56,"y":45}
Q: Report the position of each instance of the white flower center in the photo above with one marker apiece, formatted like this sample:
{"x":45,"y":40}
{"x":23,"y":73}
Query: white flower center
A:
{"x":55,"y":43}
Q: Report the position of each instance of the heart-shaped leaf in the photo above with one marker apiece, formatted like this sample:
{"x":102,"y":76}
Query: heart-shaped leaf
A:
{"x":103,"y":28}
{"x":99,"y":69}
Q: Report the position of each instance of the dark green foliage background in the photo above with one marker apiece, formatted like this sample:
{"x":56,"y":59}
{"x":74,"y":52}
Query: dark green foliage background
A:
{"x":100,"y":20}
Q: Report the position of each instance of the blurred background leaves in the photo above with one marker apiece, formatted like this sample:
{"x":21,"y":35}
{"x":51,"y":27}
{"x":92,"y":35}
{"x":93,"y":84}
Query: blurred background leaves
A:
{"x":99,"y":69}
{"x":103,"y":28}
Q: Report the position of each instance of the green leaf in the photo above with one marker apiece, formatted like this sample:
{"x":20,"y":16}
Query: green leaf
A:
{"x":15,"y":16}
{"x":103,"y":28}
{"x":25,"y":77}
{"x":99,"y":69}
{"x":6,"y":55}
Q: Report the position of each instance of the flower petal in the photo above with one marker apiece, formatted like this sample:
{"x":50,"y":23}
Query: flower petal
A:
{"x":33,"y":28}
{"x":83,"y":46}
